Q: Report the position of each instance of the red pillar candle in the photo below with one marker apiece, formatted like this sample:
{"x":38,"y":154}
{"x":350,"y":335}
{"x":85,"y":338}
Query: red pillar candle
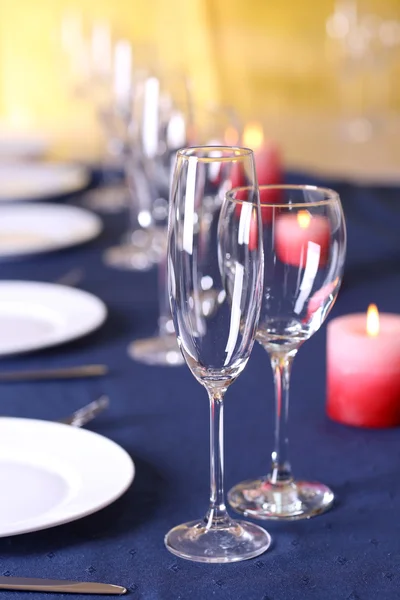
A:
{"x":363,"y":369}
{"x":268,"y":166}
{"x":294,"y":233}
{"x":268,"y":170}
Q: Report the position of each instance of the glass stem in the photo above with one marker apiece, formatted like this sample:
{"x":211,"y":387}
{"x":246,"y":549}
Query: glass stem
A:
{"x":281,"y":472}
{"x":131,"y":184}
{"x":217,"y":515}
{"x":139,"y":194}
{"x":165,"y":323}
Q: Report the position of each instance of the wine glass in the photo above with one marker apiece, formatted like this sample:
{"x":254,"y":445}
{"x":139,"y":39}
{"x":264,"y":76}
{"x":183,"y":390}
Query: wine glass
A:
{"x":101,"y":72}
{"x":211,"y":125}
{"x":216,"y":349}
{"x":304,"y":251}
{"x":157,"y":129}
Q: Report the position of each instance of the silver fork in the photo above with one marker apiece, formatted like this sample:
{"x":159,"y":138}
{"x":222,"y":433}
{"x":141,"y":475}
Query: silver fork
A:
{"x":85,"y":414}
{"x":71,"y":278}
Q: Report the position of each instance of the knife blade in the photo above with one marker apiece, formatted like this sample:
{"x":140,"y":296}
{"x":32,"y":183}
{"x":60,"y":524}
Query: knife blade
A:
{"x":32,"y":584}
{"x":57,"y":373}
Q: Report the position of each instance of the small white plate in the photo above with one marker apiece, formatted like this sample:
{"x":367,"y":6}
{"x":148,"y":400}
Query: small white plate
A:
{"x":36,"y":315}
{"x":37,"y":181}
{"x":54,"y":474}
{"x":18,"y":146}
{"x":33,"y":228}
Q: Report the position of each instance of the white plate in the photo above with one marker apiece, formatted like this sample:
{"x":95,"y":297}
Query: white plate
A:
{"x":54,"y":474}
{"x":35,"y":315}
{"x":35,"y":181}
{"x":33,"y":228}
{"x":15,"y":145}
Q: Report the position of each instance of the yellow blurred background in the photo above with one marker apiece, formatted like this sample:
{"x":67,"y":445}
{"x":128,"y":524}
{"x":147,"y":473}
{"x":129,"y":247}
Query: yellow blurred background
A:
{"x":271,"y":61}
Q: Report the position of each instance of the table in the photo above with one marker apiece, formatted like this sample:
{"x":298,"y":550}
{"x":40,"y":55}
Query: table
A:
{"x":160,"y":416}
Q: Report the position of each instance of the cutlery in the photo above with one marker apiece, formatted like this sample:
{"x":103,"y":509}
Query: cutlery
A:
{"x":57,"y":373}
{"x":32,"y":584}
{"x":85,"y":414}
{"x":71,"y":278}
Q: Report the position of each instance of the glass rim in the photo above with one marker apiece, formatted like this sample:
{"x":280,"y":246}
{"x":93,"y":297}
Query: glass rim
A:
{"x":330,"y":195}
{"x":238,"y":152}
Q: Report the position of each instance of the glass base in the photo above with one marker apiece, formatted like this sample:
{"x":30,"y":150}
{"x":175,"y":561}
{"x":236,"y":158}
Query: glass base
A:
{"x":140,"y":250}
{"x":260,"y":499}
{"x":111,"y":198}
{"x":158,"y":350}
{"x":236,"y":541}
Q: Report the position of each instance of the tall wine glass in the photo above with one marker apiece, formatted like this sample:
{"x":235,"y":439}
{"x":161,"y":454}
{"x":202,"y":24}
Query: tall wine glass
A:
{"x":304,"y":251}
{"x":216,"y":349}
{"x":213,"y":126}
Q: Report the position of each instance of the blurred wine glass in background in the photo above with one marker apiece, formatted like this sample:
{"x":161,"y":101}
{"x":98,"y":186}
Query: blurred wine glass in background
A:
{"x":159,"y":115}
{"x":180,"y":123}
{"x":101,"y":71}
{"x":365,"y":48}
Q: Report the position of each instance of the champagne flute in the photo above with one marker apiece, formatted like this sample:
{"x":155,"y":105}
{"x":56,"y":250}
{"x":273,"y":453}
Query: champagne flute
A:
{"x":216,"y":349}
{"x":304,"y":251}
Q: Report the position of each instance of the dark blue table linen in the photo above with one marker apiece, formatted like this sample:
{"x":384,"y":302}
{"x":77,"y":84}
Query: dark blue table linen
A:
{"x":160,"y":416}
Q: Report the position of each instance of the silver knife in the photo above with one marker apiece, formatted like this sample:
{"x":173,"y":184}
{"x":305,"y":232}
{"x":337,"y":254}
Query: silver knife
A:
{"x":32,"y":584}
{"x":56,"y":373}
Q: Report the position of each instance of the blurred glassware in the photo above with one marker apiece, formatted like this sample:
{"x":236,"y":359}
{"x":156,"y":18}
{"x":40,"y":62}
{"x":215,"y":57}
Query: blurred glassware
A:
{"x":101,"y":72}
{"x":365,"y":47}
{"x":214,"y":126}
{"x":112,"y":91}
{"x":159,"y":116}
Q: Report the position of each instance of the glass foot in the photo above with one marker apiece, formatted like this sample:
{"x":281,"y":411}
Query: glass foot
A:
{"x":158,"y":350}
{"x":111,"y":198}
{"x":140,"y":250}
{"x":260,"y":499}
{"x":231,"y":543}
{"x":129,"y":257}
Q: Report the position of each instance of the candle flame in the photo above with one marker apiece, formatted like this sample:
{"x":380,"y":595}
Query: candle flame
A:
{"x":253,"y":136}
{"x":303,"y":219}
{"x":231,"y":136}
{"x":372,"y":320}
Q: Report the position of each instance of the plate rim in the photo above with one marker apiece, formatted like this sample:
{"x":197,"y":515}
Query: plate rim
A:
{"x":90,"y":511}
{"x":80,"y":171}
{"x":98,"y":227}
{"x":43,"y":346}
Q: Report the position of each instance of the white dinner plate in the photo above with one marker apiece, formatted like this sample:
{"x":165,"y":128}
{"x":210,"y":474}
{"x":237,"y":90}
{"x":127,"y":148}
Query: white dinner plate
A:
{"x":36,"y":315}
{"x":37,"y":181}
{"x":34,"y":228}
{"x":54,"y":474}
{"x":14,"y":145}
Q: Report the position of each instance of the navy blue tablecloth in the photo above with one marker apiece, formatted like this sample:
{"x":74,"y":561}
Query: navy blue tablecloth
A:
{"x":160,"y":416}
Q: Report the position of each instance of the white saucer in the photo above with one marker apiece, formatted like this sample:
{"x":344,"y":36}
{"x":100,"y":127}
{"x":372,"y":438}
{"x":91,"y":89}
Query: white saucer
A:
{"x":35,"y":315}
{"x":37,"y":181}
{"x":54,"y":474}
{"x":33,"y":228}
{"x":15,"y":145}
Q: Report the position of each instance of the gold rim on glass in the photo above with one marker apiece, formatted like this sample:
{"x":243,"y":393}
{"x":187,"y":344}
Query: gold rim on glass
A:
{"x":332,"y":195}
{"x":235,"y":152}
